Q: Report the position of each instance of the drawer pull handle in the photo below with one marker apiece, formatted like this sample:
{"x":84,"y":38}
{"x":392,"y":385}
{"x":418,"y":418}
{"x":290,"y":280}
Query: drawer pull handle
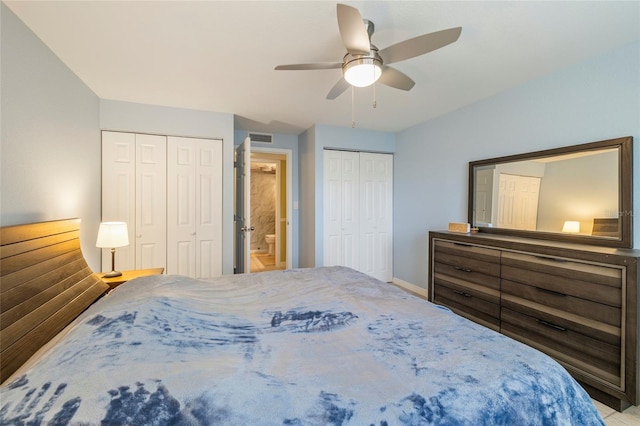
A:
{"x":551,"y":259}
{"x":462,"y":244}
{"x":555,"y":293}
{"x":552,"y":325}
{"x":461,"y":293}
{"x":459,"y":268}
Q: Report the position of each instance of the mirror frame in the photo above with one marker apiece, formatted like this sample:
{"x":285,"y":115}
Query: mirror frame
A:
{"x":625,"y":193}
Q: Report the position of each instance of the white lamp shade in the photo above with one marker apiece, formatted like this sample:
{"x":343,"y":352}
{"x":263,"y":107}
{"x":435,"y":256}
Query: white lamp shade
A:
{"x":571,"y":226}
{"x":113,"y":234}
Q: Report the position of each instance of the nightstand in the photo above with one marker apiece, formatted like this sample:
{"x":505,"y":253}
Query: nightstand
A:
{"x":129,"y":275}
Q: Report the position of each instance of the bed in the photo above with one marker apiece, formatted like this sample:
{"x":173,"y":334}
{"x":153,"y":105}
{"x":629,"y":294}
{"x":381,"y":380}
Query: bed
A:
{"x":320,"y":346}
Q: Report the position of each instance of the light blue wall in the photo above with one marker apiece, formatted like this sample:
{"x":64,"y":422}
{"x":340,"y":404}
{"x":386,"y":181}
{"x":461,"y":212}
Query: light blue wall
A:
{"x":50,"y":144}
{"x":595,"y":100}
{"x":312,"y":144}
{"x":50,"y":138}
{"x":284,"y":141}
{"x":132,"y":117}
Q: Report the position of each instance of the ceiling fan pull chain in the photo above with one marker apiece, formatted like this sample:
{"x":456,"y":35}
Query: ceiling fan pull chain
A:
{"x":353,"y":113}
{"x":375,"y":104}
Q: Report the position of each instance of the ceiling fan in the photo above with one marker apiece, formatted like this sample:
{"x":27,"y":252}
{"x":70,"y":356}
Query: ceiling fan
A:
{"x":364,"y":64}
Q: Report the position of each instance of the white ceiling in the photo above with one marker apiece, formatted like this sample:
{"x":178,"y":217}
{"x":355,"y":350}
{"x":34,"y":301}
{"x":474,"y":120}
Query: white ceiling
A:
{"x":220,"y":55}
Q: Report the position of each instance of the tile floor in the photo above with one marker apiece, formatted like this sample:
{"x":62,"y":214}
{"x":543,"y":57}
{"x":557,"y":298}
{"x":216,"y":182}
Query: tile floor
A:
{"x":262,"y":262}
{"x":629,"y":417}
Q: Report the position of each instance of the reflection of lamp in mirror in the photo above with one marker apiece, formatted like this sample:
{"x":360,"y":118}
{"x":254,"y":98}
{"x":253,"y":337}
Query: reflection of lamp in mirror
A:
{"x":112,"y":235}
{"x":571,"y":227}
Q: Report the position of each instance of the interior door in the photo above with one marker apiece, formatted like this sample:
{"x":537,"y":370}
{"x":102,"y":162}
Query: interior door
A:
{"x":243,"y":207}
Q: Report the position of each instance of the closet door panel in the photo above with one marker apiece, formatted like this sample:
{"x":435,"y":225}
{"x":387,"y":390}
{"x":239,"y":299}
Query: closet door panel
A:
{"x":376,"y":221}
{"x":151,"y":201}
{"x":349,"y":220}
{"x":118,"y":192}
{"x":181,"y":192}
{"x":194,"y":230}
{"x":183,"y":262}
{"x":349,"y":209}
{"x":341,"y":210}
{"x":209,"y":208}
{"x":332,"y":250}
{"x":332,"y":209}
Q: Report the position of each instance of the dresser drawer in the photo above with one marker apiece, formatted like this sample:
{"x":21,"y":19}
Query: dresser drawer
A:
{"x":600,"y":284}
{"x":607,"y":314}
{"x":466,"y":278}
{"x":571,"y":310}
{"x":473,"y":264}
{"x":465,"y":271}
{"x":470,"y":301}
{"x":595,"y":351}
{"x":471,"y":252}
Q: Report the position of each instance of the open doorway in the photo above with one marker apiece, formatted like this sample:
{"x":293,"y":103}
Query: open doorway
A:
{"x":270,"y":207}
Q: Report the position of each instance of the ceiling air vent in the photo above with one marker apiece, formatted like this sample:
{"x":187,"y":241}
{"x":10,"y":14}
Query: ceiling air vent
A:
{"x":261,"y":137}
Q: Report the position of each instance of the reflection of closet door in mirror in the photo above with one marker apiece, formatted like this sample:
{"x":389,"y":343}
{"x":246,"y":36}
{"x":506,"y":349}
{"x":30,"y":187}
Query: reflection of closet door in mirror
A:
{"x":518,"y":202}
{"x":483,"y":198}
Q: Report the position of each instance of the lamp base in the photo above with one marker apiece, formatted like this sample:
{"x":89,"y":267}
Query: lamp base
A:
{"x":112,"y":274}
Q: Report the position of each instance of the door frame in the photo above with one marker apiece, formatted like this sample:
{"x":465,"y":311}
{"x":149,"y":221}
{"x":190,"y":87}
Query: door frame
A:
{"x":242,"y":207}
{"x":288,"y":154}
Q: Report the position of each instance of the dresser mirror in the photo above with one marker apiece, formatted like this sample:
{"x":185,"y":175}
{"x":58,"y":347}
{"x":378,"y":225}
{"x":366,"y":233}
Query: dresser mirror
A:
{"x":580,"y":193}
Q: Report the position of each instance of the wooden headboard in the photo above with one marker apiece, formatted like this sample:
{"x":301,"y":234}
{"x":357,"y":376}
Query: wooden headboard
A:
{"x":45,"y":283}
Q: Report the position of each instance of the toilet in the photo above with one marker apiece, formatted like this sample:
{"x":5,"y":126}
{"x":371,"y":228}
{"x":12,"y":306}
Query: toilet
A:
{"x":270,"y":239}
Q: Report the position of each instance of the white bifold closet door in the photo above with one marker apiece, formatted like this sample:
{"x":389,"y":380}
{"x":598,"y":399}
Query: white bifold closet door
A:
{"x":358,"y":212}
{"x":169,"y":191}
{"x":134,"y":191}
{"x":194,"y":213}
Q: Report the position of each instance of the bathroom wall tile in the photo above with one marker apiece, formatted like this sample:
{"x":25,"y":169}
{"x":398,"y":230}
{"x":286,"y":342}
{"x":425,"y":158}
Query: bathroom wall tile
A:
{"x":263,"y":205}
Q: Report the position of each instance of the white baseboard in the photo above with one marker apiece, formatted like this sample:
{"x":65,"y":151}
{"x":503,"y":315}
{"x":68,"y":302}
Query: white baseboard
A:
{"x":411,"y":287}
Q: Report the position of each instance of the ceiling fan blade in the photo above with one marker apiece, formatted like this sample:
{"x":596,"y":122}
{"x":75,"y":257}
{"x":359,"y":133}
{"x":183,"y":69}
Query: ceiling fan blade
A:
{"x":352,"y":30}
{"x":419,"y":45}
{"x":394,"y":78}
{"x":316,"y":66}
{"x":338,"y":89}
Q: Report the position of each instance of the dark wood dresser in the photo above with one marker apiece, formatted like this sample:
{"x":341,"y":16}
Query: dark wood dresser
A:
{"x":577,"y":303}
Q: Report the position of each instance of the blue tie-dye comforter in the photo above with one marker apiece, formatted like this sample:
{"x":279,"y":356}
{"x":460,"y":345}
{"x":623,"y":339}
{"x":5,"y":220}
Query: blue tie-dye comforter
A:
{"x":325,"y":346}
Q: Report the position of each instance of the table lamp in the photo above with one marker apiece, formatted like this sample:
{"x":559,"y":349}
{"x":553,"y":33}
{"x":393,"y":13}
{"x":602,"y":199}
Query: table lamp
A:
{"x":112,"y":235}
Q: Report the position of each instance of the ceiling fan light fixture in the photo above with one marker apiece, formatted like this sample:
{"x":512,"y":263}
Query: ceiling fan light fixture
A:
{"x":362,"y":72}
